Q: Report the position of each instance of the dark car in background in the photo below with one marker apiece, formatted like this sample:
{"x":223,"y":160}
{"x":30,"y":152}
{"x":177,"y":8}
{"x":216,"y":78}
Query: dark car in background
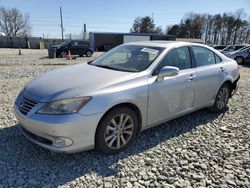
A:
{"x":220,"y":47}
{"x":76,"y":47}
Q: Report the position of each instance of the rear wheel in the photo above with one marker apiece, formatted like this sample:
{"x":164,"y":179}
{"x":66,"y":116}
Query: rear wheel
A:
{"x":117,"y":130}
{"x":221,"y":99}
{"x":88,"y":53}
{"x":239,"y":60}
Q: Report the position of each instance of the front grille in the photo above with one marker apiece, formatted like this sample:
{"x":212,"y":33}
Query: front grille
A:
{"x":25,"y":105}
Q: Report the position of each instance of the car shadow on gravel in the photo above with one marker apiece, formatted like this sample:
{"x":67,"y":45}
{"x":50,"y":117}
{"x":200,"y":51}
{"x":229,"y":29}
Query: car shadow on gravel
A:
{"x":21,"y":158}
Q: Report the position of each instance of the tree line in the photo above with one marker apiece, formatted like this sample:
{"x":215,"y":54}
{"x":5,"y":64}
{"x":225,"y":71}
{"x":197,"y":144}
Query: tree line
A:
{"x":225,"y":28}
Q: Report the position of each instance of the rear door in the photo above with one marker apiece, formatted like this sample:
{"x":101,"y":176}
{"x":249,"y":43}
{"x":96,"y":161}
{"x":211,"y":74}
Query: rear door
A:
{"x":210,"y":74}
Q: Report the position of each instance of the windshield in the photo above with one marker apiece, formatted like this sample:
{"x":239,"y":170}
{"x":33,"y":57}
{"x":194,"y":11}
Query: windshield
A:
{"x":130,"y":58}
{"x":65,"y":43}
{"x":229,"y":48}
{"x":244,"y":48}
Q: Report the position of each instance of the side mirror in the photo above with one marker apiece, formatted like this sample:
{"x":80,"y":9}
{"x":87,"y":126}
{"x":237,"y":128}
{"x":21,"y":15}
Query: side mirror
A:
{"x":167,"y":71}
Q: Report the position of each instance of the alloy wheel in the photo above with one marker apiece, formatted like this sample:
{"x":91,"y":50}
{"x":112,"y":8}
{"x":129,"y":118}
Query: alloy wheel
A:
{"x":239,"y":60}
{"x":63,"y":54}
{"x":222,"y":98}
{"x":119,"y":131}
{"x":89,"y":54}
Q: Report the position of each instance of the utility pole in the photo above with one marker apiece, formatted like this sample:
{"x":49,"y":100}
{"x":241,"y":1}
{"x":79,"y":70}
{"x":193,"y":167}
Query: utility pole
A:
{"x":61,"y":22}
{"x":85,"y":32}
{"x":206,"y":32}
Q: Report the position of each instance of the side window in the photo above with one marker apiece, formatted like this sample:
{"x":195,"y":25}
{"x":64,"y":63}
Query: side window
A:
{"x":217,"y":58}
{"x":81,"y":43}
{"x":203,"y":56}
{"x":84,"y":43}
{"x":178,"y":57}
{"x":75,"y":43}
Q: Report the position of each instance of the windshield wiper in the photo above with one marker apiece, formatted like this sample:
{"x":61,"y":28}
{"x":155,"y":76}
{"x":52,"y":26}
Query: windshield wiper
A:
{"x":106,"y":67}
{"x":113,"y":68}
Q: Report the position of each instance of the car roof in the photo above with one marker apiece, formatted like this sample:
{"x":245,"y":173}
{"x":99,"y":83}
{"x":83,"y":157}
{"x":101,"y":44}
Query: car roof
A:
{"x":159,"y":43}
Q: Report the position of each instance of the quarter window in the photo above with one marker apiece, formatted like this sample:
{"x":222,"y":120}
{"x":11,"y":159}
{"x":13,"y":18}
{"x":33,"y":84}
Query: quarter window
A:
{"x":178,"y":57}
{"x":75,"y":43}
{"x":203,"y":56}
{"x":217,"y":58}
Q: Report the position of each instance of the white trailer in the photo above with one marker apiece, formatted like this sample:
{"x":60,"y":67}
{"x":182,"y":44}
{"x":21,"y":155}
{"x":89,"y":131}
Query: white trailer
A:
{"x":134,"y":38}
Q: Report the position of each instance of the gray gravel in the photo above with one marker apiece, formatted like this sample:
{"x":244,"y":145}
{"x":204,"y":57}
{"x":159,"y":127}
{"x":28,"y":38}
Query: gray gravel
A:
{"x":199,"y":150}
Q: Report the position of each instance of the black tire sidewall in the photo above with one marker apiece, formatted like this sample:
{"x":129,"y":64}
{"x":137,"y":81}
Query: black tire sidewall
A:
{"x":100,"y":143}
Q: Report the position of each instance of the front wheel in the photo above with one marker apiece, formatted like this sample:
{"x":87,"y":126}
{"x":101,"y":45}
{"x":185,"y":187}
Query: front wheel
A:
{"x":117,"y":130}
{"x":63,"y":54}
{"x":221,"y":99}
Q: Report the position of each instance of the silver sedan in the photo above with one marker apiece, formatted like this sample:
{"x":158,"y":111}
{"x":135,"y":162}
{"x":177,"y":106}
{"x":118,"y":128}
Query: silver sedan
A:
{"x":104,"y":104}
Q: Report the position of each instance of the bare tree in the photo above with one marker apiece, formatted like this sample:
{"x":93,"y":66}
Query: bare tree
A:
{"x":14,"y":23}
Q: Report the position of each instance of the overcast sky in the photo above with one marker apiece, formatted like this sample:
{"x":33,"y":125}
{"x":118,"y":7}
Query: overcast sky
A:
{"x":113,"y":15}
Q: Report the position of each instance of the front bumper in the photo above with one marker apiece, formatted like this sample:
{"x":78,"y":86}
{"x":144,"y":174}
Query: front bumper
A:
{"x":45,"y":130}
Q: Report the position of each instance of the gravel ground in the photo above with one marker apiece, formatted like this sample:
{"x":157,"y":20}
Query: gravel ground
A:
{"x":199,"y":150}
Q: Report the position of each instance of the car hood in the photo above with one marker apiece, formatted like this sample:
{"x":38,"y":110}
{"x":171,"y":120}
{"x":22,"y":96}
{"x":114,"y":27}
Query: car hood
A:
{"x":74,"y":81}
{"x":56,"y":46}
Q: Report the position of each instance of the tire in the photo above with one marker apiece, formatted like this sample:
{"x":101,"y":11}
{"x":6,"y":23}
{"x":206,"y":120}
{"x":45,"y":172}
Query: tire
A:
{"x":88,"y":53}
{"x":63,"y":54}
{"x":239,"y":60}
{"x":221,"y":99}
{"x":116,"y":130}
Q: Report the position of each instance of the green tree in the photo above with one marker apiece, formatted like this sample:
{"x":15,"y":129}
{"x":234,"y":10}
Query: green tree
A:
{"x":173,"y":30}
{"x":145,"y":25}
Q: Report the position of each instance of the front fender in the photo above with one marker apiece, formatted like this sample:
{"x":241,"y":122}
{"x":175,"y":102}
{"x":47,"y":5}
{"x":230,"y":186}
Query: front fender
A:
{"x":103,"y":102}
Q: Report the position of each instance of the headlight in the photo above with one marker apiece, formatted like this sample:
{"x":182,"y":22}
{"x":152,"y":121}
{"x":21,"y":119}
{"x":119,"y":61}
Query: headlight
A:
{"x":65,"y":106}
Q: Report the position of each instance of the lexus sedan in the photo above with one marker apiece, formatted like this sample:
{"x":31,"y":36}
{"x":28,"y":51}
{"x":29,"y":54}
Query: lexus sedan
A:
{"x":106,"y":103}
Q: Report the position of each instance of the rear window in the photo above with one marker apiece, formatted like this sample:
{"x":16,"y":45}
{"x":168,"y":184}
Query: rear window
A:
{"x":85,"y":43}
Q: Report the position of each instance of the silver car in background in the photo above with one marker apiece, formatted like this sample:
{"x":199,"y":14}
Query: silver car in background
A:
{"x":240,"y":56}
{"x":105,"y":104}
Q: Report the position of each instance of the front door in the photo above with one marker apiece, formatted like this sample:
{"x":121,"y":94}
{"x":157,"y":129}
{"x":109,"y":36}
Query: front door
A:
{"x":173,"y":94}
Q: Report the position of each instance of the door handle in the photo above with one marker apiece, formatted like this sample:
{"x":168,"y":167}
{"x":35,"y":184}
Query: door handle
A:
{"x":222,"y":69}
{"x":191,"y":77}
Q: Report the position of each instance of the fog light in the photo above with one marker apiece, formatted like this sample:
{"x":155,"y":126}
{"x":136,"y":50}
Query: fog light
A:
{"x":62,"y":142}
